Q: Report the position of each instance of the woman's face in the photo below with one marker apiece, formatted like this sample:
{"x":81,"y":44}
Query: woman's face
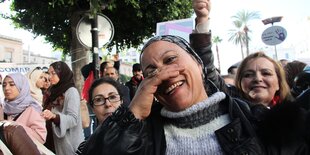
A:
{"x":101,"y":93}
{"x":9,"y":89}
{"x":259,"y":81}
{"x":187,"y":88}
{"x":41,"y":81}
{"x":54,"y":79}
{"x":47,"y":82}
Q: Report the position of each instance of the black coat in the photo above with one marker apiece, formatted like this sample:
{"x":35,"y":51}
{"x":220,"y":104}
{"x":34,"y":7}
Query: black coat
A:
{"x":123,"y":134}
{"x":285,"y":129}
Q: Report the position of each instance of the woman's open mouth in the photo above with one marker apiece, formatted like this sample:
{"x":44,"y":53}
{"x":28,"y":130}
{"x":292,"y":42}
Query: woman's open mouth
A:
{"x":171,"y":88}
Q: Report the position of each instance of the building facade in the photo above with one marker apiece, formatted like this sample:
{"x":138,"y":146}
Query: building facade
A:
{"x":11,"y":51}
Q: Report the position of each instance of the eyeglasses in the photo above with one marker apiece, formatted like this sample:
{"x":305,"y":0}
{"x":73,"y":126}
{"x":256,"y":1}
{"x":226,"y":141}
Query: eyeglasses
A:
{"x":101,"y":100}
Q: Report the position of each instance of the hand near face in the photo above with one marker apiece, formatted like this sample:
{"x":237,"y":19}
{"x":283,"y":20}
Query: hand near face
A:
{"x":142,"y":102}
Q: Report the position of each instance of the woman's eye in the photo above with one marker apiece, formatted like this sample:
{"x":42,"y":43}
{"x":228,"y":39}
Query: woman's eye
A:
{"x":267,"y":73}
{"x":246,"y":75}
{"x":112,"y":97}
{"x":101,"y":99}
{"x":170,"y":59}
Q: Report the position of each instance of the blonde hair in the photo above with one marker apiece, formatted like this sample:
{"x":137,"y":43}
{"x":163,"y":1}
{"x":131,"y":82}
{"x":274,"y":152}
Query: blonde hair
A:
{"x":33,"y":76}
{"x":284,"y":90}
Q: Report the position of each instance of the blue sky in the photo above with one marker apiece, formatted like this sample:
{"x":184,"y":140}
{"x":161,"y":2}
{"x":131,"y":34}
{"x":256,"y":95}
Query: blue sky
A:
{"x":294,"y":13}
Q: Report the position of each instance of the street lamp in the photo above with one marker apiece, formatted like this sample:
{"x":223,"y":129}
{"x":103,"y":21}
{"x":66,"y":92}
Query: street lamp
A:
{"x":272,"y":20}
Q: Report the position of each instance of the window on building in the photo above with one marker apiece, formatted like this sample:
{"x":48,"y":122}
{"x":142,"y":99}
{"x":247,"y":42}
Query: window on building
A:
{"x":8,"y":56}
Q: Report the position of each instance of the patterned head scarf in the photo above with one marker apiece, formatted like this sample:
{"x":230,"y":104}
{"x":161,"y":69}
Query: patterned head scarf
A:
{"x":23,"y":100}
{"x":66,"y":81}
{"x":178,"y":41}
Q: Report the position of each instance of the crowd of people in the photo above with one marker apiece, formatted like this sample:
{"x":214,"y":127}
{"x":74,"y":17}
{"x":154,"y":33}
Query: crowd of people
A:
{"x":167,"y":106}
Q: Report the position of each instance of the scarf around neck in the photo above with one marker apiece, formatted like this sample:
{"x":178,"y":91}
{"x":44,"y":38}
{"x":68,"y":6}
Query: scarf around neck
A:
{"x":198,"y":114}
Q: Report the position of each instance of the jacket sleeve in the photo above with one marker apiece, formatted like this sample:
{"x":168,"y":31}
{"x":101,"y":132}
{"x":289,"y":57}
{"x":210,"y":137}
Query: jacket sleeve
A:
{"x":121,"y":133}
{"x":70,"y":115}
{"x":18,"y":141}
{"x":201,"y":43}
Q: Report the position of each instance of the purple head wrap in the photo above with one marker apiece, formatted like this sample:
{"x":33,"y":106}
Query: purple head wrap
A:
{"x":23,"y":100}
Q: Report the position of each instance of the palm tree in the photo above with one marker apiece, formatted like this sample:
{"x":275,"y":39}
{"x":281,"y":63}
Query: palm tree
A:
{"x":242,"y":18}
{"x":237,"y":36}
{"x":217,"y":40}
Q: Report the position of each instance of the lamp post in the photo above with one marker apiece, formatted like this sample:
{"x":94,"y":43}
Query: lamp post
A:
{"x":271,"y":21}
{"x":95,"y":44}
{"x":102,"y":32}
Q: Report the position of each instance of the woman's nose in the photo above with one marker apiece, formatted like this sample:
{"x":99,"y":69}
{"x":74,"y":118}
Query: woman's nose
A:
{"x":258,"y":77}
{"x":107,"y":103}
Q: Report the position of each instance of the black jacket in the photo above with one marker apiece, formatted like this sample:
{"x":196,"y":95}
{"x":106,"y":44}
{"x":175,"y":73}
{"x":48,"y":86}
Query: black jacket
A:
{"x":123,"y":134}
{"x":201,"y":43}
{"x":285,"y":129}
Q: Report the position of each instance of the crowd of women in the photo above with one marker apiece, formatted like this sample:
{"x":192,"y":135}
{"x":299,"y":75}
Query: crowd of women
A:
{"x":48,"y":116}
{"x":188,"y":109}
{"x":179,"y":108}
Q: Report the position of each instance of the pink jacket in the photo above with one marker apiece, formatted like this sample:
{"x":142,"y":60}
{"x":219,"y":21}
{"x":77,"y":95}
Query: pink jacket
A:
{"x":33,"y":123}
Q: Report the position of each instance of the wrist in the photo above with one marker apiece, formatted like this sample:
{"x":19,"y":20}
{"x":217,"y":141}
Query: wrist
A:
{"x":202,"y":25}
{"x":54,"y":116}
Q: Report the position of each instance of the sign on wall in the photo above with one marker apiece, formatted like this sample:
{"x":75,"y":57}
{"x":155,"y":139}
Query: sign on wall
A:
{"x":8,"y":68}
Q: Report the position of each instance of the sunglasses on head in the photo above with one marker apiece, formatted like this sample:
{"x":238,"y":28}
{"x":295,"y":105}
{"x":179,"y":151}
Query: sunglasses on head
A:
{"x":44,"y":69}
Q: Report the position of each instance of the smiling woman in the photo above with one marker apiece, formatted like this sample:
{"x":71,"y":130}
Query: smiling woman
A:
{"x":183,"y":119}
{"x":183,"y":110}
{"x":261,"y":80}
